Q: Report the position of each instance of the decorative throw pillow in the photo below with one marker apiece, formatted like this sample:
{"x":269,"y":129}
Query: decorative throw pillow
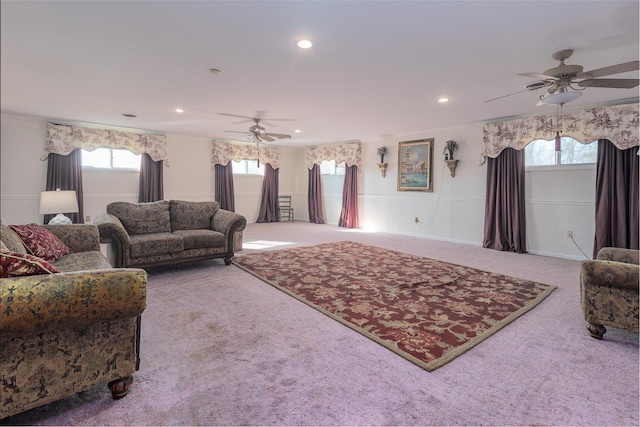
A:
{"x":41,"y":242}
{"x":12,"y":240}
{"x":13,"y":264}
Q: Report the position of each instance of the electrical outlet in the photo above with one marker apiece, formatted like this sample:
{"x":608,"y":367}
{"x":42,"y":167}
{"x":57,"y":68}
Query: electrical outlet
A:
{"x":570,"y":233}
{"x":87,"y":219}
{"x":417,"y":220}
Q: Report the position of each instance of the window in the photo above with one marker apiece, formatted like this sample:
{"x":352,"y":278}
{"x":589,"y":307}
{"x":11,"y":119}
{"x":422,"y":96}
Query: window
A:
{"x":110,"y":158}
{"x":331,"y":167}
{"x":542,"y":152}
{"x":248,"y":167}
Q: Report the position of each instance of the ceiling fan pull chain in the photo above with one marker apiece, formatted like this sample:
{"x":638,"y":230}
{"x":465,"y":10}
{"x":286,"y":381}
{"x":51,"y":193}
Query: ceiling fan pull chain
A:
{"x":558,"y":140}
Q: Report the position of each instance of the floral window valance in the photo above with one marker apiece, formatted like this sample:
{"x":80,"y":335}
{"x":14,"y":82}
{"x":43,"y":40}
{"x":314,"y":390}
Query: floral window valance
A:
{"x":348,"y":153}
{"x":63,"y":139}
{"x":222,"y":153}
{"x":618,"y":124}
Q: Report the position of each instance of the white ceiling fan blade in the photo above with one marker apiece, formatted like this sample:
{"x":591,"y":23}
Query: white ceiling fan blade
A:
{"x":268,"y":121}
{"x":538,"y":76}
{"x":266,"y":137}
{"x":612,"y":69}
{"x":278,"y":135}
{"x":610,"y":83}
{"x":504,"y":96}
{"x":259,"y":117}
{"x":235,"y":131}
{"x":236,"y":115}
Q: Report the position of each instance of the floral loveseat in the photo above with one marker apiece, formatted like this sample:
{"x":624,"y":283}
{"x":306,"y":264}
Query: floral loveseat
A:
{"x":609,"y":290}
{"x":168,"y":232}
{"x":67,"y":324}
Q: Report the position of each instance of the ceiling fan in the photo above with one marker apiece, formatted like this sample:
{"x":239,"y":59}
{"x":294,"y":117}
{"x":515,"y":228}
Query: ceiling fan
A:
{"x":560,"y":79}
{"x":256,"y":132}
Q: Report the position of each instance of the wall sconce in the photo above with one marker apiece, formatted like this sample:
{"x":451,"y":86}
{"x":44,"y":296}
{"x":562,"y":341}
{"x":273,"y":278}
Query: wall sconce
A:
{"x":452,"y":166}
{"x":57,"y":202}
{"x":383,"y":169}
{"x":449,"y":148}
{"x":382,"y":151}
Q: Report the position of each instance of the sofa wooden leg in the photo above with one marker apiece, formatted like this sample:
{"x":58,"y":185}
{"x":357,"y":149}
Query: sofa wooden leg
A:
{"x":597,"y":331}
{"x":227,"y":260}
{"x":120,"y":387}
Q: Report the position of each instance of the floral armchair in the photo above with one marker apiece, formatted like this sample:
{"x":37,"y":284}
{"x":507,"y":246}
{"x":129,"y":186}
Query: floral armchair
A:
{"x":609,"y":290}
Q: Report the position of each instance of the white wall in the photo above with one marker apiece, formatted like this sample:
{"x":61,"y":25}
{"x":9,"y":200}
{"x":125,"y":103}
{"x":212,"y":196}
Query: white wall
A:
{"x":557,"y":200}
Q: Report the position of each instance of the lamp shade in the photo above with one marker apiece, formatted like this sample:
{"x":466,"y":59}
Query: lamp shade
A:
{"x":54,"y":202}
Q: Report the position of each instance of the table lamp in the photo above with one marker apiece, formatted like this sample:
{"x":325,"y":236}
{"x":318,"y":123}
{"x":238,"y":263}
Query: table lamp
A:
{"x":56,"y":202}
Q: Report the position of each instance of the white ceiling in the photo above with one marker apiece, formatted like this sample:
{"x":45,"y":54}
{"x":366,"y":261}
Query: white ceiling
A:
{"x":376,"y":68}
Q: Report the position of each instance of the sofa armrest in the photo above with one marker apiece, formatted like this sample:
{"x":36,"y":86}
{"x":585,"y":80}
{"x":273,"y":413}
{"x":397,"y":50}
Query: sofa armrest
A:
{"x":78,"y":237}
{"x":34,"y":304}
{"x":610,"y":274}
{"x":112,"y":231}
{"x":227,"y":222}
{"x":630,"y":256}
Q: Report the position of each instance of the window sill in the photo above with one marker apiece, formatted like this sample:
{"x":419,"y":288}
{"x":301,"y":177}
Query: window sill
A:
{"x":92,"y":169}
{"x":554,"y":168}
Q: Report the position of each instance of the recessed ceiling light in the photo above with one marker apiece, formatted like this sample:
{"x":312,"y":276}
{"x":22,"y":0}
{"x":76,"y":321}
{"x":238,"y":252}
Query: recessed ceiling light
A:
{"x":443,"y":100}
{"x":214,"y":71}
{"x":297,"y":131}
{"x":179,"y":110}
{"x":304,"y":44}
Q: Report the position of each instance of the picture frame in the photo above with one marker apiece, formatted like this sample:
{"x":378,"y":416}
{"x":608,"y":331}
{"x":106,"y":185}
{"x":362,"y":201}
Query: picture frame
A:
{"x":415,"y":165}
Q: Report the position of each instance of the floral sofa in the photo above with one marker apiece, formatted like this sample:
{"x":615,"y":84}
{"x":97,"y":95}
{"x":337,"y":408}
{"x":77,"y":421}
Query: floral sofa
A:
{"x":609,"y":290}
{"x":168,"y":232}
{"x":68,"y":323}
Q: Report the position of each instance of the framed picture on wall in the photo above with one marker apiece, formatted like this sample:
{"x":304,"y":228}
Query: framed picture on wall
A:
{"x":415,"y":165}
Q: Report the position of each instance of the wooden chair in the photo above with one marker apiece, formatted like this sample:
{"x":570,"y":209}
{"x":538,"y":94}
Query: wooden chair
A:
{"x":285,"y":210}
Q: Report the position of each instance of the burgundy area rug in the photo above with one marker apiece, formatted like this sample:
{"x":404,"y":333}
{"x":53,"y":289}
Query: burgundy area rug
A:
{"x":425,"y":310}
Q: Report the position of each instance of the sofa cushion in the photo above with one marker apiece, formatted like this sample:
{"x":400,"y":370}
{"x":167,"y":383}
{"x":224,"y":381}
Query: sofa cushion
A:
{"x":40,"y":241}
{"x":12,"y":241}
{"x":87,"y":260}
{"x":192,"y":215}
{"x":142,"y":245}
{"x":13,"y":264}
{"x":197,"y":239}
{"x":142,"y":218}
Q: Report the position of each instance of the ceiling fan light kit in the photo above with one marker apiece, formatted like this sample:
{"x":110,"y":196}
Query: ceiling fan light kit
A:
{"x":560,"y":98}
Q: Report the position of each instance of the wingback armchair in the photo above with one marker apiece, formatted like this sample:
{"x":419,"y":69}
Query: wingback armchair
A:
{"x":609,"y":290}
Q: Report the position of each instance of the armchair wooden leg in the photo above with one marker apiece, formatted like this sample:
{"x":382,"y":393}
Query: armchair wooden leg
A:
{"x":120,"y":387}
{"x":597,"y":331}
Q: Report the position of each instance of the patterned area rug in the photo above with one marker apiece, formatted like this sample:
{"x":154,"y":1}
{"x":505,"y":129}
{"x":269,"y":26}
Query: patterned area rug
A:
{"x":427,"y":311}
